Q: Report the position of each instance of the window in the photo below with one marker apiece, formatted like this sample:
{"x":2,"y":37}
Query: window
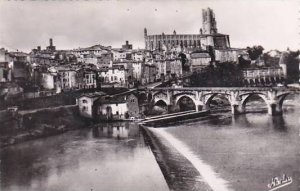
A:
{"x":84,"y":101}
{"x":117,"y":113}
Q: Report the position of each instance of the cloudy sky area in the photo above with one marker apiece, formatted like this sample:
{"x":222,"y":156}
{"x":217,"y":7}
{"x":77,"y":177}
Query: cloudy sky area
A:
{"x":72,"y":24}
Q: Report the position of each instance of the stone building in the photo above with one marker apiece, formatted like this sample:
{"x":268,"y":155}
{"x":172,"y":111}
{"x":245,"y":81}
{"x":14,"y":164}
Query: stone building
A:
{"x":230,"y":55}
{"x":88,"y":59}
{"x":85,"y":104}
{"x":200,"y":60}
{"x":95,"y":50}
{"x":66,"y":77}
{"x":86,"y":78}
{"x":105,"y":59}
{"x":120,"y":54}
{"x":127,"y":46}
{"x":138,"y":56}
{"x":208,"y":36}
{"x":51,"y":47}
{"x":20,"y":71}
{"x":114,"y":76}
{"x":6,"y":64}
{"x":137,"y":71}
{"x":48,"y":80}
{"x":263,"y":76}
{"x":117,"y":107}
{"x":148,"y":74}
{"x":167,"y":69}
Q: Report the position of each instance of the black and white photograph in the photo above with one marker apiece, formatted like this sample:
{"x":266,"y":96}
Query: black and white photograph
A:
{"x":149,"y":95}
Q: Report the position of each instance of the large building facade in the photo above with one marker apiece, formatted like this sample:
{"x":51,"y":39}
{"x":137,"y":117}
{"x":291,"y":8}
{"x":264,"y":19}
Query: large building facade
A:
{"x":208,"y":36}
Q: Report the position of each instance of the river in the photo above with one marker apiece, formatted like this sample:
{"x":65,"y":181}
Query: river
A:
{"x":241,"y":153}
{"x":110,"y":157}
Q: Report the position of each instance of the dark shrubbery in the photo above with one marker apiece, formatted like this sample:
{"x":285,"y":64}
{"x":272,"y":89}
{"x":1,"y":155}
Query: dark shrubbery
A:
{"x":227,"y":74}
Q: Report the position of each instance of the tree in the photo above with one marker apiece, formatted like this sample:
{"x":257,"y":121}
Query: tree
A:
{"x":255,"y":51}
{"x":270,"y":61}
{"x":242,"y":63}
{"x":226,"y":74}
{"x":184,"y":61}
{"x":292,"y":62}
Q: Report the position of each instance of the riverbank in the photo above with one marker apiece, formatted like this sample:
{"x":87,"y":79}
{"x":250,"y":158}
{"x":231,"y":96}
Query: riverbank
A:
{"x":23,"y":126}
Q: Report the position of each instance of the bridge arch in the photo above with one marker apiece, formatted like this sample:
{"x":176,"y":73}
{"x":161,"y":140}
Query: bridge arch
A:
{"x":181,"y":98}
{"x":281,"y":98}
{"x":246,"y":98}
{"x":160,"y":106}
{"x":160,"y":102}
{"x":213,"y":95}
{"x":155,"y":97}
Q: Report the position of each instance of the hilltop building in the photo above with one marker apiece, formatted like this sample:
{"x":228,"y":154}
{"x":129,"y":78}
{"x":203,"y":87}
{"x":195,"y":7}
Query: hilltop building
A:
{"x":51,"y":47}
{"x":208,"y":36}
{"x":127,"y":46}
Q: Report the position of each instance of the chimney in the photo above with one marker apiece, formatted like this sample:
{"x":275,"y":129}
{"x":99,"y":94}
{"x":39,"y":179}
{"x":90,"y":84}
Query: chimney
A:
{"x":39,"y":48}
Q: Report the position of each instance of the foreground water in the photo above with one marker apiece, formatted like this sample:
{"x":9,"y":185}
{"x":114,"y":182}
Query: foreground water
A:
{"x":240,"y":153}
{"x":109,"y":157}
{"x":246,"y":151}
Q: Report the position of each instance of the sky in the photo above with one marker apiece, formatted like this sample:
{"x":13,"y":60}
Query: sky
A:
{"x":24,"y":25}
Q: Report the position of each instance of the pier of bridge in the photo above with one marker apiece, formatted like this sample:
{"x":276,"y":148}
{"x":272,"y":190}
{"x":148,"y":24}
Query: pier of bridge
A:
{"x":237,"y":96}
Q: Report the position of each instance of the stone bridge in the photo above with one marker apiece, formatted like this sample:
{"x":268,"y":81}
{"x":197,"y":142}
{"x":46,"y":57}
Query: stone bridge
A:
{"x":237,"y":96}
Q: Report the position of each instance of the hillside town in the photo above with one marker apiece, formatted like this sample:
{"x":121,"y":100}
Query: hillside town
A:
{"x":51,"y":71}
{"x":149,"y":95}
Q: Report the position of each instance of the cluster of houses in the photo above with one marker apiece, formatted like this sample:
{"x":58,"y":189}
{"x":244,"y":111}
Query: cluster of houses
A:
{"x":53,"y":71}
{"x":101,"y":66}
{"x":97,"y":66}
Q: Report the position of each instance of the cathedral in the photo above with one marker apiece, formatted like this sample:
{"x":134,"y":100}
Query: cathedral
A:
{"x":208,"y":36}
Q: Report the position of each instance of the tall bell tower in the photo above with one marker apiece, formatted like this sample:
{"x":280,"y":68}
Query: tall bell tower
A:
{"x":209,"y":23}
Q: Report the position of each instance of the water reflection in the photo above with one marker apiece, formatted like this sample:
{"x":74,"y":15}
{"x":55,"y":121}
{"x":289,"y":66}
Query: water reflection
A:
{"x":116,"y":130}
{"x":278,"y":123}
{"x":106,"y":157}
{"x":240,"y":119}
{"x":249,"y":120}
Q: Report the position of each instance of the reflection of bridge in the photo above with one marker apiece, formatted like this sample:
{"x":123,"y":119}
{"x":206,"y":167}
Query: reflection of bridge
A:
{"x":237,"y":96}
